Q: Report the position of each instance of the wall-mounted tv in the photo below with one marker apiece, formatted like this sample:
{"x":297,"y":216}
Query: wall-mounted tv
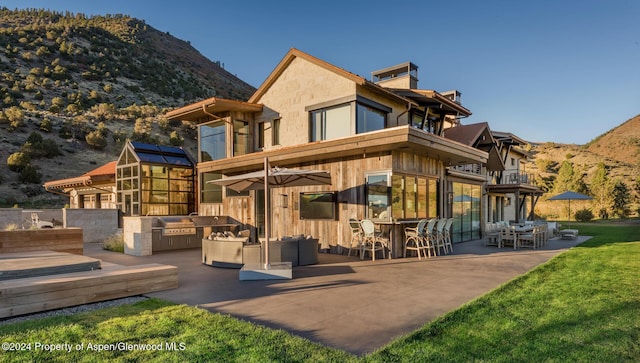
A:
{"x":318,"y":205}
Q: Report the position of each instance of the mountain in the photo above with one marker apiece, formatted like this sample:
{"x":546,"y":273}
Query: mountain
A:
{"x":618,"y":149}
{"x":621,"y":143}
{"x":86,"y":84}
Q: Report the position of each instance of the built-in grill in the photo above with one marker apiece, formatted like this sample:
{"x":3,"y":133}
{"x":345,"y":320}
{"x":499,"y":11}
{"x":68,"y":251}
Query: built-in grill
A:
{"x":177,"y":226}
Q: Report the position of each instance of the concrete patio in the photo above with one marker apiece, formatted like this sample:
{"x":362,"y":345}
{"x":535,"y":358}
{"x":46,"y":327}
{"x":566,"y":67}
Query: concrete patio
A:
{"x":344,"y":302}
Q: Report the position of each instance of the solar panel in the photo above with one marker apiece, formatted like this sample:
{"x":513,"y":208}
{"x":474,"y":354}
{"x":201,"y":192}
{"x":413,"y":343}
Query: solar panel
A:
{"x":140,"y":146}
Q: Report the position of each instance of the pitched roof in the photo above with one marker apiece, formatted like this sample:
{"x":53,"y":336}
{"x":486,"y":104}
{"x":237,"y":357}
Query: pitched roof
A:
{"x":466,"y":134}
{"x":295,"y":53}
{"x":478,"y":135}
{"x":102,"y":174}
{"x":106,"y":169}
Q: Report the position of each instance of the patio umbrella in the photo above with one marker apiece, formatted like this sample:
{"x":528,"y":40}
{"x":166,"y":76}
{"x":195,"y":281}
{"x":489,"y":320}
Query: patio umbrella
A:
{"x":569,"y":195}
{"x":272,"y":178}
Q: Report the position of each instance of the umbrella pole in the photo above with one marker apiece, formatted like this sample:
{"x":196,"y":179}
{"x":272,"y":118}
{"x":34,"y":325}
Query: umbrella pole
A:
{"x":267,"y":221}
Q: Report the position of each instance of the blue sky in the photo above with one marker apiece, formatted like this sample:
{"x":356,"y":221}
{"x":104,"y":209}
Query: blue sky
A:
{"x":564,"y":71}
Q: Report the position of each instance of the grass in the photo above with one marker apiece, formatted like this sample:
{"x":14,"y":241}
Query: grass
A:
{"x":582,"y":305}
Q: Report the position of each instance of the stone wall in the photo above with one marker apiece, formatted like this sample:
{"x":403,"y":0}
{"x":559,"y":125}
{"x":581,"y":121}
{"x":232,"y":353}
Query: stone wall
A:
{"x":137,"y":234}
{"x":97,"y":224}
{"x":10,"y":216}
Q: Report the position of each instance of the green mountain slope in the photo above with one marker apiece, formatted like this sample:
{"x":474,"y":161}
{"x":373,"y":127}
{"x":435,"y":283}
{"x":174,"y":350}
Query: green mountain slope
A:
{"x":68,"y":76}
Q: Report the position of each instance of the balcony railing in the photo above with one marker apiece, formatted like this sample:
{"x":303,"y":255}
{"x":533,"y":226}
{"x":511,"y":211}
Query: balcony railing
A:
{"x":516,"y":177}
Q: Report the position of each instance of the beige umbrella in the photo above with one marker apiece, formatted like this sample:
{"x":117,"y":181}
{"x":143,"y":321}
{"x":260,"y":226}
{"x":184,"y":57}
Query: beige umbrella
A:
{"x":272,"y":178}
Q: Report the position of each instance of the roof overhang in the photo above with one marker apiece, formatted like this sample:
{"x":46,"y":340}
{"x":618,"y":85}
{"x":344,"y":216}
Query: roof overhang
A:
{"x":68,"y":183}
{"x":211,"y":106}
{"x":508,"y":138}
{"x":401,"y":138}
{"x":433,"y":99}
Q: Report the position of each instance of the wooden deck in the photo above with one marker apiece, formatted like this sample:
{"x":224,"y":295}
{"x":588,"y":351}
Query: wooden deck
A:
{"x":43,"y":263}
{"x":27,"y":295}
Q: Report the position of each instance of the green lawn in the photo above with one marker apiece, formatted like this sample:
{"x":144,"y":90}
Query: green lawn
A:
{"x":583,"y":305}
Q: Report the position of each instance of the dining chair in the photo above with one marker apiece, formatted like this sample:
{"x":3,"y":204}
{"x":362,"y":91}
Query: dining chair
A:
{"x":439,"y":236}
{"x":356,"y":237}
{"x":415,"y":238}
{"x":492,"y":234}
{"x":447,"y":235}
{"x":508,"y":234}
{"x":372,"y":241}
{"x":529,"y":239}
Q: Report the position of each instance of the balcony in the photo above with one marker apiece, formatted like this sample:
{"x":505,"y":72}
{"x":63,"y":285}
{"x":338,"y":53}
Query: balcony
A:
{"x":516,"y":177}
{"x":514,"y":181}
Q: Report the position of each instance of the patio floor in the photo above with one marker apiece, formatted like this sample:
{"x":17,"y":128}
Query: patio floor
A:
{"x":344,"y":302}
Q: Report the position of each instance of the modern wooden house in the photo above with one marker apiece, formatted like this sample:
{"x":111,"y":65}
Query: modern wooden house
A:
{"x":507,"y":191}
{"x":381,"y":140}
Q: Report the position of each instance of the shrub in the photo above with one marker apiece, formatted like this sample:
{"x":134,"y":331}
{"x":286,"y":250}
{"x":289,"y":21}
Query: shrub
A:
{"x":18,"y":161}
{"x":11,"y":227}
{"x":114,"y":243}
{"x":45,"y":125}
{"x":175,"y":139}
{"x":30,"y":175}
{"x":584,"y":215}
{"x":96,"y":140}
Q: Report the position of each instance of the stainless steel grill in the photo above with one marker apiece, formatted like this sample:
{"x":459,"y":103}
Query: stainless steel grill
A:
{"x":177,"y":226}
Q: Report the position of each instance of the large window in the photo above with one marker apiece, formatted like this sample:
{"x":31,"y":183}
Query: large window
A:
{"x":166,"y":190}
{"x":378,"y":196}
{"x":330,"y":123}
{"x":369,"y":119}
{"x":338,"y":121}
{"x":240,"y":138}
{"x":465,"y":205}
{"x":408,"y":196}
{"x":210,"y":193}
{"x":212,"y":141}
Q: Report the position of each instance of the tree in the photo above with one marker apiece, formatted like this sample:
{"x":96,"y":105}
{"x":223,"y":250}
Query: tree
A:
{"x":601,"y":190}
{"x":621,"y":198}
{"x":564,"y":180}
{"x":96,"y":140}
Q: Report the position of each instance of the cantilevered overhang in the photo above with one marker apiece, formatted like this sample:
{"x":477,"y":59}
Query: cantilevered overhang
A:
{"x":514,"y":188}
{"x":203,"y":109}
{"x":401,"y":138}
{"x":430,"y":98}
{"x":67,"y":183}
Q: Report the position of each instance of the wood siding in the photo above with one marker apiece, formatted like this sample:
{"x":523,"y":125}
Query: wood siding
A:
{"x":348,"y":182}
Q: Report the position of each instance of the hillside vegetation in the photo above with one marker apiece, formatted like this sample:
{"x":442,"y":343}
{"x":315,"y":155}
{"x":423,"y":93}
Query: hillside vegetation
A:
{"x":617,"y":151}
{"x":79,"y":86}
